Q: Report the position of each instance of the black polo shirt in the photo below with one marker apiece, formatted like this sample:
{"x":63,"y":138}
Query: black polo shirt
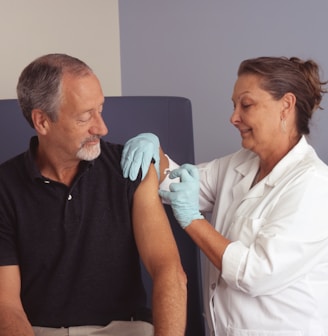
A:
{"x":74,"y":245}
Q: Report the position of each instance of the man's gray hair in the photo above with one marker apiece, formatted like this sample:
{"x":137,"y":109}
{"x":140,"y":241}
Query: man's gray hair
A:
{"x":39,"y":85}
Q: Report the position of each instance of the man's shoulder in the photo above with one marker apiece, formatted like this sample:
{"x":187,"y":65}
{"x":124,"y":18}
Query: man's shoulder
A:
{"x":111,"y":154}
{"x":12,"y":164}
{"x":109,"y":148}
{"x":110,"y":159}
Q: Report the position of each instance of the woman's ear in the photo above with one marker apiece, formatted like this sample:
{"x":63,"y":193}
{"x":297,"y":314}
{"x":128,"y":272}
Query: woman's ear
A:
{"x":289,"y":102}
{"x":40,"y":121}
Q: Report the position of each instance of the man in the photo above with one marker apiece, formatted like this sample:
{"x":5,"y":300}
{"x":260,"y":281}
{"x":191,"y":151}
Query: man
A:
{"x":72,"y":228}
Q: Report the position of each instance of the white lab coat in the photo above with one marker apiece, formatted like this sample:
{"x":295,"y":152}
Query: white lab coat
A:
{"x":274,"y":278}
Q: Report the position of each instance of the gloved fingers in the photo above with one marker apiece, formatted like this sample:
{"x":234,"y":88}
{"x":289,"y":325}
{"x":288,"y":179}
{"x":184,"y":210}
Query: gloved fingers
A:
{"x":127,"y":160}
{"x":192,"y":170}
{"x":183,"y":174}
{"x":180,"y":187}
{"x":176,"y":173}
{"x":145,"y":160}
{"x":167,"y":196}
{"x":126,"y":163}
{"x":138,"y":153}
{"x":133,"y":171}
{"x":131,"y":165}
{"x":149,"y":153}
{"x":134,"y":159}
{"x":176,"y":193}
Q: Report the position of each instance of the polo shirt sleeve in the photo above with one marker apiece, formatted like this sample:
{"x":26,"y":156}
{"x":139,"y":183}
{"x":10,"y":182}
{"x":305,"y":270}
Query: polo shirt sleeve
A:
{"x":8,"y":249}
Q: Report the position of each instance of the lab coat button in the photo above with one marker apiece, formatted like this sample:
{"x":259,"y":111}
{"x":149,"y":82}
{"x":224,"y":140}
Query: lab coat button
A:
{"x":213,"y":286}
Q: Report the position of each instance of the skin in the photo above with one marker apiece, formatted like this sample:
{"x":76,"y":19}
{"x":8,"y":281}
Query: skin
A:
{"x":13,"y":320}
{"x":258,"y":118}
{"x":159,"y":253}
{"x":79,"y":126}
{"x":76,"y":133}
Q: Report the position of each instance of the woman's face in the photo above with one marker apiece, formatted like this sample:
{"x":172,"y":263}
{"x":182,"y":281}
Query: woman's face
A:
{"x":257,"y":116}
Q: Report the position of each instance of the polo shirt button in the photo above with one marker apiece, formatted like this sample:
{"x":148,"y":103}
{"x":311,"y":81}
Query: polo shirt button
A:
{"x":69,"y":197}
{"x":213,"y":286}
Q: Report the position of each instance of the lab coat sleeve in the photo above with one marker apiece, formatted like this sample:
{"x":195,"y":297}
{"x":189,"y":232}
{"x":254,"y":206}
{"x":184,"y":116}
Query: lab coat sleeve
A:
{"x":209,"y":174}
{"x":292,"y":239}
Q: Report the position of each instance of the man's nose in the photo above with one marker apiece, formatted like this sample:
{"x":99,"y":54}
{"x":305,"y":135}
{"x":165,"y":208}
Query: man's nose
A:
{"x":99,"y":127}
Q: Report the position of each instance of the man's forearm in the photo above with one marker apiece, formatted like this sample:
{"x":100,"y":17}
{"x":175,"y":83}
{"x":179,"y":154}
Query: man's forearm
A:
{"x":13,"y":322}
{"x":170,"y":305}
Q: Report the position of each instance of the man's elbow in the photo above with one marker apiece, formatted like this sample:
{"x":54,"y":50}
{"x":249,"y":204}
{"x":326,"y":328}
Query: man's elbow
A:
{"x":181,"y":278}
{"x":173,"y":273}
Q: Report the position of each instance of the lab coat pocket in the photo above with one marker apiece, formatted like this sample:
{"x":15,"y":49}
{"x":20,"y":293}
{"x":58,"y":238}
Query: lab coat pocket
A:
{"x":247,"y":332}
{"x":245,"y":229}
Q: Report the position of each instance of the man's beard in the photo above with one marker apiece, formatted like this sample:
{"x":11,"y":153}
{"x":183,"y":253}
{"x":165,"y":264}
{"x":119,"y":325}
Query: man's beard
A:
{"x":89,"y":152}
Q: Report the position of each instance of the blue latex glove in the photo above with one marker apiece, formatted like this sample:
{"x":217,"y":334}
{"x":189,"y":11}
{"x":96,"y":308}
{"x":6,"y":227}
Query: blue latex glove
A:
{"x":184,"y":196}
{"x":138,"y":152}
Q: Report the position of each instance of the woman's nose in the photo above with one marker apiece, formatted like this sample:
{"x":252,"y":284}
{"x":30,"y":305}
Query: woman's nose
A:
{"x":235,"y":117}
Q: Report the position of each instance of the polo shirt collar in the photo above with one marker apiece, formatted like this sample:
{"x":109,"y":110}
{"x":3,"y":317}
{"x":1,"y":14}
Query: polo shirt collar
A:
{"x":33,"y":169}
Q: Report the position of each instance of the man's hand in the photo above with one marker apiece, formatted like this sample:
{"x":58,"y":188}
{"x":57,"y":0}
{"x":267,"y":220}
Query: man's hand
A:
{"x":138,"y":153}
{"x":184,"y":196}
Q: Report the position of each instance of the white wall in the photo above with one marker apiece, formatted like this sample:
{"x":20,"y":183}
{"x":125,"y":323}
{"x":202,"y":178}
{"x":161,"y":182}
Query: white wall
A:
{"x":192,"y":48}
{"x":85,"y":29}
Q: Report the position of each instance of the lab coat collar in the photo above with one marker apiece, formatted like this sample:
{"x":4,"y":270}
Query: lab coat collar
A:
{"x":248,"y":170}
{"x":288,"y":162}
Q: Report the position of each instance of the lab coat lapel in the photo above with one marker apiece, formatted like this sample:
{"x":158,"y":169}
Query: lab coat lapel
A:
{"x":247,"y":170}
{"x":242,"y":190}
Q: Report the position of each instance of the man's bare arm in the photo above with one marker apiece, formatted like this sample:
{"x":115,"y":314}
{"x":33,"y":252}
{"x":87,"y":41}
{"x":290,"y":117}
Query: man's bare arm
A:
{"x":13,"y":320}
{"x":160,"y":255}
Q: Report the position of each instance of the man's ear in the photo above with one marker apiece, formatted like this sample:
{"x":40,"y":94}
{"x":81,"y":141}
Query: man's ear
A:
{"x":40,"y":121}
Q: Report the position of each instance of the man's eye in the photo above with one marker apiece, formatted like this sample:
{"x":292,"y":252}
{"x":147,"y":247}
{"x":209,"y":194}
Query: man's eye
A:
{"x":84,"y":118}
{"x":246,"y":106}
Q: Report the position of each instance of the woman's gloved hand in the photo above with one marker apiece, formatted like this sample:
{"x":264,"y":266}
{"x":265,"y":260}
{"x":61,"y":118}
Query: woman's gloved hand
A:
{"x":184,"y":196}
{"x":138,"y":152}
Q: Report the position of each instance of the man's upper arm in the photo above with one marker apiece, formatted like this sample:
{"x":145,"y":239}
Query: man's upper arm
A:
{"x":152,"y":229}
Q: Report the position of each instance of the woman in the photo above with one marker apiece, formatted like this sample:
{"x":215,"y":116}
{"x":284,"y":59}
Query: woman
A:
{"x":267,"y":243}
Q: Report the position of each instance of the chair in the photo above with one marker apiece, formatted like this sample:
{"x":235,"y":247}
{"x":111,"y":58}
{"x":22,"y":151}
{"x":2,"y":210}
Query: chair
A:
{"x":168,"y":117}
